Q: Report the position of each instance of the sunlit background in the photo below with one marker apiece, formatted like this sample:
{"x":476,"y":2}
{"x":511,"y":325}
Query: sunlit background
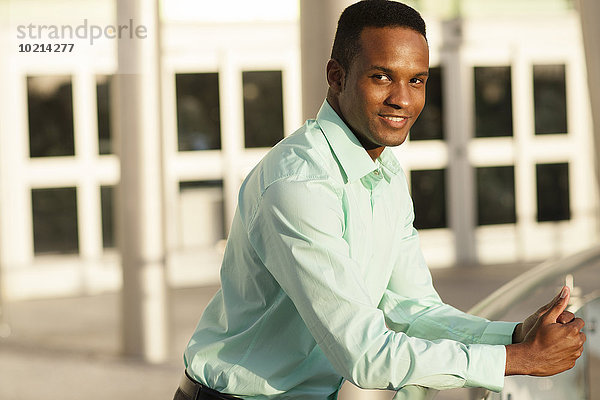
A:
{"x":501,"y":163}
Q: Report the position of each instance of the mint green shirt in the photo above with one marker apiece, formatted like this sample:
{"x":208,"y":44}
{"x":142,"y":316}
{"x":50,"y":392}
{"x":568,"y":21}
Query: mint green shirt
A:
{"x":323,"y":280}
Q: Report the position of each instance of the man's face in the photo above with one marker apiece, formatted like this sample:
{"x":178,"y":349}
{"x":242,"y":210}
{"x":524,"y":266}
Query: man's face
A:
{"x":383,"y":92}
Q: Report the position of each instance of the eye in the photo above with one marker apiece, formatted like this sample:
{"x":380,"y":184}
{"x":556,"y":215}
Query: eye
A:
{"x":417,"y":81}
{"x":381,"y":77}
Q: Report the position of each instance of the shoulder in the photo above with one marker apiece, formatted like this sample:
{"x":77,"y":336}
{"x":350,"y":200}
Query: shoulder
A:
{"x":303,"y":156}
{"x":298,"y":165}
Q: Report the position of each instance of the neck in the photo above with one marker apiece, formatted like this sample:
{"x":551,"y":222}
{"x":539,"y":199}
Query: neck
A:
{"x":375,"y":153}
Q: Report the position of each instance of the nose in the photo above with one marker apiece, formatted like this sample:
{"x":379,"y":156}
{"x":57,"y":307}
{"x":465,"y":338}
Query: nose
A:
{"x":399,"y":97}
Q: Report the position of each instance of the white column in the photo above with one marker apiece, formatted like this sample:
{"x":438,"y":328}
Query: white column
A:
{"x":589,"y":11}
{"x":232,"y":128}
{"x":88,"y":192}
{"x":4,"y":168}
{"x":140,"y":195}
{"x":16,"y":230}
{"x":318,"y":22}
{"x":524,"y":141}
{"x":169,"y":151}
{"x":458,"y":114}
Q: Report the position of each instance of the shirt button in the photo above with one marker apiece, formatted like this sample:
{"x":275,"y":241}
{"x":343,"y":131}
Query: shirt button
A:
{"x":376,"y":172}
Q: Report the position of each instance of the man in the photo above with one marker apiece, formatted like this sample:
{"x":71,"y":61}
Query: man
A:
{"x":323,"y":279}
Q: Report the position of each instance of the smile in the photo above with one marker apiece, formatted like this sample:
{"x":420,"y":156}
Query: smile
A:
{"x":394,"y":119}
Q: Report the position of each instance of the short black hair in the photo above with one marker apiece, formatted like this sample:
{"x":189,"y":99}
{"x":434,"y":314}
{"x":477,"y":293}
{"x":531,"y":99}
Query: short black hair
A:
{"x":370,"y":14}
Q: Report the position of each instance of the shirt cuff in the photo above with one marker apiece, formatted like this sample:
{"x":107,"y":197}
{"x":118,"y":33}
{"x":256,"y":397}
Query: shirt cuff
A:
{"x":487,"y":364}
{"x":498,"y":332}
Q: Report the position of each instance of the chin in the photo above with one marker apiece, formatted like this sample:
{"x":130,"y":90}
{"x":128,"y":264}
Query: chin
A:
{"x":395,"y":141}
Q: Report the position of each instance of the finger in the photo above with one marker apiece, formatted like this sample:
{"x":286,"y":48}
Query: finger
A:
{"x":546,"y":307}
{"x":577,"y":323}
{"x":555,"y":299}
{"x":559,"y":305}
{"x":565,"y":317}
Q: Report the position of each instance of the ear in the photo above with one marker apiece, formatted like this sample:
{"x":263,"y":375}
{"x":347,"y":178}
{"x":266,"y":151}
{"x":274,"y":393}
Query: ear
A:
{"x":335,"y":76}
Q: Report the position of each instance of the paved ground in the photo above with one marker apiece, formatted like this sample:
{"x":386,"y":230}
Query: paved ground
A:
{"x":68,"y":348}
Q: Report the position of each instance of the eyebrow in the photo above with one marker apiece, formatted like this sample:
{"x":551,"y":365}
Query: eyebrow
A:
{"x":389,"y":71}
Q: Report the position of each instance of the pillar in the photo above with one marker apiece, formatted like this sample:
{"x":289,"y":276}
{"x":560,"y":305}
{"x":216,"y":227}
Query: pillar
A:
{"x":589,"y":11}
{"x":140,"y":225}
{"x":318,"y":22}
{"x":457,"y":117}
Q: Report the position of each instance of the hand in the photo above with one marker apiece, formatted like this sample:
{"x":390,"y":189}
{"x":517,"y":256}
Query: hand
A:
{"x":524,"y":327}
{"x":550,"y":346}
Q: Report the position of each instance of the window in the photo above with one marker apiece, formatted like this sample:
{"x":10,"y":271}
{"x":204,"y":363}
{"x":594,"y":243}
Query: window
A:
{"x":50,"y":112}
{"x":493,"y":102}
{"x":428,"y":189}
{"x":263,"y":108}
{"x":198,"y":118}
{"x":430,"y":125}
{"x":496,"y":195}
{"x":55,"y":220}
{"x":107,"y":202}
{"x":550,"y":99}
{"x":553,"y":192}
{"x":103,"y":83}
{"x":202,"y":213}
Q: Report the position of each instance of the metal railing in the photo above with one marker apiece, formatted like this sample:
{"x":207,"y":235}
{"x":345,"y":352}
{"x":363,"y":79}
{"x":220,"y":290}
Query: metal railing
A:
{"x":496,"y":305}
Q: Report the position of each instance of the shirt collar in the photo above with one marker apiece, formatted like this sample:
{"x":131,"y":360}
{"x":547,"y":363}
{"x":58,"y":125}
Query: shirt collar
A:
{"x":353,"y":158}
{"x":389,"y":162}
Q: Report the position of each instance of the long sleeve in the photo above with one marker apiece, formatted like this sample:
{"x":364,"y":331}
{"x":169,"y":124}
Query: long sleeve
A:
{"x":412,"y":305}
{"x":297,"y":231}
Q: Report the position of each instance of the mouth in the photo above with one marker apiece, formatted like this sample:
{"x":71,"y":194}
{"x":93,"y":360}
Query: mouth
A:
{"x":397,"y":121}
{"x":393,"y":119}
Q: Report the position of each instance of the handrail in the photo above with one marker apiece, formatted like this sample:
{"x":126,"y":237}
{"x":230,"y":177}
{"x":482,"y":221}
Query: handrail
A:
{"x":499,"y":302}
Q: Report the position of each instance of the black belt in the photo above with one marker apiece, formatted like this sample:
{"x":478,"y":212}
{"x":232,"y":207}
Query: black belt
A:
{"x":198,"y":391}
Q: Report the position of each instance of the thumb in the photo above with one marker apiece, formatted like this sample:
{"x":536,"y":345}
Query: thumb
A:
{"x":559,"y":305}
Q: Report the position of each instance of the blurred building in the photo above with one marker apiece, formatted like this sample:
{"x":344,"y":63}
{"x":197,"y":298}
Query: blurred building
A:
{"x":500,"y":162}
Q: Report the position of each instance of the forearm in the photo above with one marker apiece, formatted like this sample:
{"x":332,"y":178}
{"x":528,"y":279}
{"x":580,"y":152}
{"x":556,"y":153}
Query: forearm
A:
{"x":442,"y":364}
{"x":429,"y":318}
